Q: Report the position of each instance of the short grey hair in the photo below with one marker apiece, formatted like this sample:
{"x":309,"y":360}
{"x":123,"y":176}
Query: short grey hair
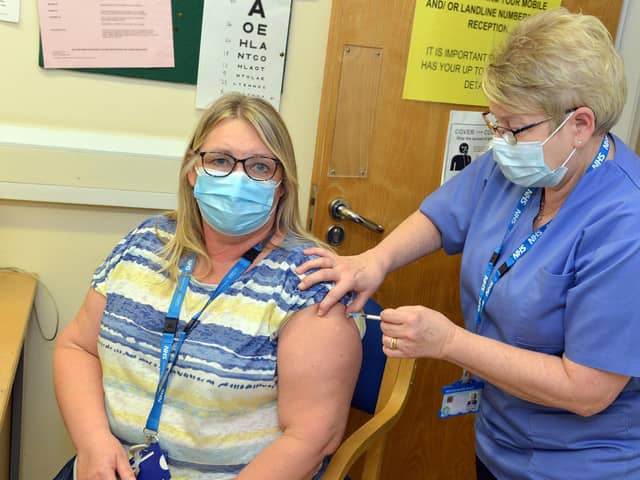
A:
{"x":556,"y":61}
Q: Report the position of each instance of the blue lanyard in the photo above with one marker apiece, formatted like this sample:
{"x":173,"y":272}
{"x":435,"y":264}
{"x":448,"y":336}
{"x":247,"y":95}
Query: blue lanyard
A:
{"x":488,"y":281}
{"x":171,"y":325}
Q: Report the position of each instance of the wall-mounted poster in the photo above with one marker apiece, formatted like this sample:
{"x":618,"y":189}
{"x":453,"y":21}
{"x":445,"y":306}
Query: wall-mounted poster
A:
{"x":451,"y":42}
{"x":467,"y":138}
{"x":101,"y":34}
{"x":243,"y":49}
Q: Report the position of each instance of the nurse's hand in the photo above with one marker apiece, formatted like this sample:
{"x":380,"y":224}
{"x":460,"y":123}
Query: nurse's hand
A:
{"x":103,"y":458}
{"x":415,"y":331}
{"x":362,"y":274}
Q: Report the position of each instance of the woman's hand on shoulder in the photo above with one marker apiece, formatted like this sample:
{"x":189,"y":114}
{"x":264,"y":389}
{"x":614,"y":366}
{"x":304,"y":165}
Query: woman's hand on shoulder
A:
{"x":103,"y":458}
{"x":360,"y":273}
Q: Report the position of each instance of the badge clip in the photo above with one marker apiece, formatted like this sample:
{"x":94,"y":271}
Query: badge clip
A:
{"x":461,"y":397}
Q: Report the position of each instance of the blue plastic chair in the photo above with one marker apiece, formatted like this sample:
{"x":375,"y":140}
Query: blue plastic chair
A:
{"x":382,"y":390}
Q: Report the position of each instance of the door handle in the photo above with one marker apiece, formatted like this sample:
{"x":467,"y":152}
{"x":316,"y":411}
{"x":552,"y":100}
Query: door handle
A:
{"x":339,"y":210}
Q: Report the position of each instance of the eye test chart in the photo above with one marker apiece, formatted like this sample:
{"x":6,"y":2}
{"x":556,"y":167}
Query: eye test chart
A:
{"x":243,"y":49}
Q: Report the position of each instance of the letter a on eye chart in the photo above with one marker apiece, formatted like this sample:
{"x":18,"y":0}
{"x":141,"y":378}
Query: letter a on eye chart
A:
{"x":104,"y":34}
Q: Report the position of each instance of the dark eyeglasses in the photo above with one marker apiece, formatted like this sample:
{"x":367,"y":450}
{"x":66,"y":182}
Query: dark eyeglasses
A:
{"x":257,"y":167}
{"x":508,"y":134}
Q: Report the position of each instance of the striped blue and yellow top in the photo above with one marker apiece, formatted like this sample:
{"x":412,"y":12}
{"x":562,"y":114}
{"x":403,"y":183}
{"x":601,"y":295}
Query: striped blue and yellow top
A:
{"x":220,"y":409}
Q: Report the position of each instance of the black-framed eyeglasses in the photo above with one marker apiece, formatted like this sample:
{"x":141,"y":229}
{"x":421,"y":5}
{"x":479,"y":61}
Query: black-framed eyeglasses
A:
{"x":257,"y":167}
{"x":508,"y":134}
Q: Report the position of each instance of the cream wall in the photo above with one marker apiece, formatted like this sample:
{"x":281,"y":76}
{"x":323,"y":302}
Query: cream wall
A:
{"x":64,"y":243}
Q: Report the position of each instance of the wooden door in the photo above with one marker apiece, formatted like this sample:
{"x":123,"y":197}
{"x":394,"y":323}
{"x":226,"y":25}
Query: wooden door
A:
{"x":383,"y":155}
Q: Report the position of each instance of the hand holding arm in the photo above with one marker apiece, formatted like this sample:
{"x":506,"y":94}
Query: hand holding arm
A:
{"x":78,"y":386}
{"x":318,"y":363}
{"x":360,"y":273}
{"x":413,"y":238}
{"x":533,"y":376}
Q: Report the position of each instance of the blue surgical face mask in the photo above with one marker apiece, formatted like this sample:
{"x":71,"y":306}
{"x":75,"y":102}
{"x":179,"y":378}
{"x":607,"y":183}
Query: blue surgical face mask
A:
{"x":234,"y":205}
{"x":524,"y":165}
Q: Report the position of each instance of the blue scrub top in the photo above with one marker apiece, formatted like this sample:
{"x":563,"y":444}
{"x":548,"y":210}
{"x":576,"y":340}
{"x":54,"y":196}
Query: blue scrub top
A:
{"x":576,"y":292}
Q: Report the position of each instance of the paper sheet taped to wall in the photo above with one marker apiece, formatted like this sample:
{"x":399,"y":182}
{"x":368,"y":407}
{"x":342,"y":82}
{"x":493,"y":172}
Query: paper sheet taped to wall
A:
{"x":451,"y":42}
{"x":129,"y":33}
{"x":187,"y":26}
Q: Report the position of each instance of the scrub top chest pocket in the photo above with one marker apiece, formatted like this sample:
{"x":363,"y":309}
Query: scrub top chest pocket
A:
{"x":541,"y":323}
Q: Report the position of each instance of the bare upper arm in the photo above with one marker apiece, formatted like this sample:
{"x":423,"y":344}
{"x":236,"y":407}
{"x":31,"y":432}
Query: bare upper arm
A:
{"x":83,"y":330}
{"x":318,"y":364}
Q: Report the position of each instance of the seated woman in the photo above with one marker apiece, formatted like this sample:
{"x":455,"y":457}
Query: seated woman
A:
{"x":261,"y":386}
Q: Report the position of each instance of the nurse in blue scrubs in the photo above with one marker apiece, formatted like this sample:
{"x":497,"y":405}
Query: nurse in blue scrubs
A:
{"x":548,"y":224}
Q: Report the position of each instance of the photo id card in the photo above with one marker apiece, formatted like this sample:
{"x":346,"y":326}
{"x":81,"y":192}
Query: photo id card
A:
{"x":460,"y":398}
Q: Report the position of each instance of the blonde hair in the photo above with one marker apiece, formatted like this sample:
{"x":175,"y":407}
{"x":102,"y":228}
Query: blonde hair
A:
{"x":556,"y":61}
{"x":189,"y":236}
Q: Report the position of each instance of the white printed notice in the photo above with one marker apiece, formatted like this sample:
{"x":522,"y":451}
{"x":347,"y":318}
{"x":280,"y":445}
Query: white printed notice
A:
{"x":10,"y":10}
{"x":243,"y":49}
{"x":467,"y":138}
{"x":106,"y":34}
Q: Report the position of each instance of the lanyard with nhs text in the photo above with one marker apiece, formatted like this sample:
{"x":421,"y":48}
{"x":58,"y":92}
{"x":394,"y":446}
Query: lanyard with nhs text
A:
{"x":488,"y":281}
{"x":171,"y":325}
{"x":464,"y":396}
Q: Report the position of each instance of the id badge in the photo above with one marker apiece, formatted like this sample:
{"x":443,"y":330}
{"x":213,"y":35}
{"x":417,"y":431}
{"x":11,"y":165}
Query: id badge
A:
{"x":149,"y":462}
{"x":460,"y":398}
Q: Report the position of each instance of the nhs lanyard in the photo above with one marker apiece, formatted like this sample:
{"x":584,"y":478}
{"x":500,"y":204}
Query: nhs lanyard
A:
{"x":171,"y":326}
{"x":488,"y":281}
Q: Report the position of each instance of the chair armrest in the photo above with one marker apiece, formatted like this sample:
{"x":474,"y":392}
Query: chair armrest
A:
{"x":375,"y":429}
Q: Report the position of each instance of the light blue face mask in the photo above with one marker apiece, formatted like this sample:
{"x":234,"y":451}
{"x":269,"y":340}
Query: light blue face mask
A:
{"x":234,"y":205}
{"x":523,"y":163}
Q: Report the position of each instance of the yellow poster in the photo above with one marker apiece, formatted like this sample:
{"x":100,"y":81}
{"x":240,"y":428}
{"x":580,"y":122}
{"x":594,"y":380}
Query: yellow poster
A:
{"x":451,"y":42}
